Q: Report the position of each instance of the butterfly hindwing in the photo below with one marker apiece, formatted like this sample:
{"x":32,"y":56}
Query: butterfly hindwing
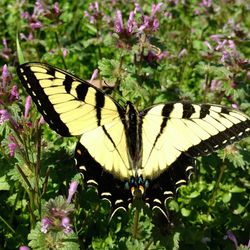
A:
{"x":105,"y":182}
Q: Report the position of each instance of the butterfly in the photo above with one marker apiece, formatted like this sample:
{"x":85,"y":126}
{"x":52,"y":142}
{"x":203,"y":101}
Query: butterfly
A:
{"x":129,"y":154}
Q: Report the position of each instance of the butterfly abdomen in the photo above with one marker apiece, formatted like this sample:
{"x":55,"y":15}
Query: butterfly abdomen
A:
{"x":133,"y":135}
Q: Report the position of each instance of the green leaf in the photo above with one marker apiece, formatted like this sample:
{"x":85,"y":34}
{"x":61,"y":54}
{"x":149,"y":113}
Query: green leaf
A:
{"x":4,"y":185}
{"x":237,"y":189}
{"x":194,"y":194}
{"x":239,"y":210}
{"x":52,"y":240}
{"x":185,"y":212}
{"x":176,"y":240}
{"x":19,"y":51}
{"x":226,"y":197}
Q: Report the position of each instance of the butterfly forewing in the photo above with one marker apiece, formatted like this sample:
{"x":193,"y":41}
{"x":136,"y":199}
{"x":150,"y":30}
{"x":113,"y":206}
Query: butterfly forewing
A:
{"x":69,"y":105}
{"x":173,"y":129}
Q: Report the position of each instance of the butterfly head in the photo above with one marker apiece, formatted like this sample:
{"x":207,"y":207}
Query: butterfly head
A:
{"x":137,"y":186}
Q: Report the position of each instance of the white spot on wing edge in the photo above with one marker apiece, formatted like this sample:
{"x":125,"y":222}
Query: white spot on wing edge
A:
{"x":189,"y":168}
{"x":180,"y":182}
{"x":92,"y":182}
{"x":106,"y":194}
{"x":82,"y":168}
{"x":157,"y":201}
{"x":118,"y":201}
{"x":168,"y":193}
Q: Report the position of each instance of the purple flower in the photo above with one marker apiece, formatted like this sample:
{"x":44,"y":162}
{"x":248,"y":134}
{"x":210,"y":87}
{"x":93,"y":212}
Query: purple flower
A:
{"x":162,"y":55}
{"x":215,"y":85}
{"x":65,"y":52}
{"x":150,"y":23}
{"x":66,"y":225}
{"x":46,"y":223}
{"x":27,"y":106}
{"x":206,"y":3}
{"x":94,"y":13}
{"x":32,"y":19}
{"x":208,"y":45}
{"x":38,"y":9}
{"x":24,"y":37}
{"x":155,"y":24}
{"x":41,"y":121}
{"x":216,"y":38}
{"x":25,"y":15}
{"x":221,"y":45}
{"x":12,"y":145}
{"x":56,"y":8}
{"x":35,"y":25}
{"x":94,"y":75}
{"x":138,"y":8}
{"x":145,"y":23}
{"x":235,"y":106}
{"x":226,"y":58}
{"x":24,"y":248}
{"x":118,"y":22}
{"x":14,"y":95}
{"x":182,"y":53}
{"x":131,"y":22}
{"x":4,"y":116}
{"x":232,"y":237}
{"x":6,"y":52}
{"x":72,"y":190}
{"x":155,"y":8}
{"x":6,"y":77}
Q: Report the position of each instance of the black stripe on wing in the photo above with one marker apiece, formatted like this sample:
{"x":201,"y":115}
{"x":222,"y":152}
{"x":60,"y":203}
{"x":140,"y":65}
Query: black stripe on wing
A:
{"x":229,"y":135}
{"x":44,"y":106}
{"x":219,"y":141}
{"x":109,"y":188}
{"x":28,"y":75}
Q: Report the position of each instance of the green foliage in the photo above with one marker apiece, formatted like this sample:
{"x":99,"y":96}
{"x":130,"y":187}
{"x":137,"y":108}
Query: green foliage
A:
{"x":52,"y":240}
{"x":189,"y":50}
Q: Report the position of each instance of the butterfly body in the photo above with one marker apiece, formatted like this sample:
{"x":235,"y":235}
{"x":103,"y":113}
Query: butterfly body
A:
{"x":127,"y":153}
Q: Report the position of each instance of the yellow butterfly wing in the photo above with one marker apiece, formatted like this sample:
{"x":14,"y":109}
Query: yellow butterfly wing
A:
{"x":174,"y":129}
{"x":73,"y":107}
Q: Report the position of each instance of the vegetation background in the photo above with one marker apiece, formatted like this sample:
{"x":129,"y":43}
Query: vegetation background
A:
{"x":147,"y":53}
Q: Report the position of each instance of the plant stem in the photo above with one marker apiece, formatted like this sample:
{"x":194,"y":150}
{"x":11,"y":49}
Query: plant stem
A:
{"x":212,"y":200}
{"x":136,"y":222}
